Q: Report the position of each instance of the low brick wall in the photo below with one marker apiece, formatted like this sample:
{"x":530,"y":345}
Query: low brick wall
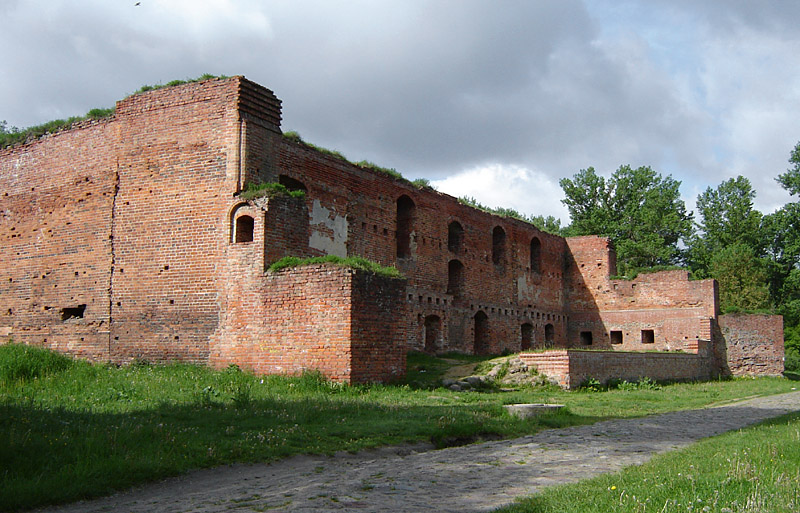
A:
{"x":346,"y":324}
{"x":570,"y":368}
{"x":753,"y":344}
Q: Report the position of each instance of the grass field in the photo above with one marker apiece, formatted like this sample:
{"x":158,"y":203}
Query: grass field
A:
{"x":753,"y":470}
{"x":71,"y":430}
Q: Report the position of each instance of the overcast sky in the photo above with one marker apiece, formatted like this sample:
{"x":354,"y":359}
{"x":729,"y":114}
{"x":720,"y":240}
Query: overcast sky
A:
{"x":494,"y":100}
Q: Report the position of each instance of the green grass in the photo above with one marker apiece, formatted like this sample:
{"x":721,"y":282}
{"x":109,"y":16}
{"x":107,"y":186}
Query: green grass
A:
{"x":753,"y":470}
{"x":10,"y":136}
{"x":72,"y":430}
{"x":426,"y":372}
{"x":359,"y":263}
{"x":271,"y":190}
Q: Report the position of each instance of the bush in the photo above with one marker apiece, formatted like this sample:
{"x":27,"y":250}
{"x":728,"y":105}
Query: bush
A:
{"x":19,"y":362}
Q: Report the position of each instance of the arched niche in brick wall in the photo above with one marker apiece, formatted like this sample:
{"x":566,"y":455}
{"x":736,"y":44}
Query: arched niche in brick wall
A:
{"x":455,"y":237}
{"x":433,"y":333}
{"x":526,"y":336}
{"x":406,"y":212}
{"x":481,"y":333}
{"x":242,"y":224}
{"x":498,"y":246}
{"x":455,"y":278}
{"x":549,"y":335}
{"x":291,"y":184}
{"x":536,"y":255}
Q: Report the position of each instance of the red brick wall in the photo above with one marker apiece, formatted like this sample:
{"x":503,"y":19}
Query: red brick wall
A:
{"x":677,"y":310}
{"x":322,"y":317}
{"x":353,"y":212}
{"x":753,"y":344}
{"x":133,"y":217}
{"x":55,"y":229}
{"x":571,"y":368}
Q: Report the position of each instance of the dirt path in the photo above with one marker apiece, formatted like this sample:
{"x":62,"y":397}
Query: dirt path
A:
{"x":466,"y":479}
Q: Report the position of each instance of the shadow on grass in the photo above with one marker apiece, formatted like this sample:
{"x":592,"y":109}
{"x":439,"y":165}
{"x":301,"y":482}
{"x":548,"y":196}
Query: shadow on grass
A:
{"x":56,"y":455}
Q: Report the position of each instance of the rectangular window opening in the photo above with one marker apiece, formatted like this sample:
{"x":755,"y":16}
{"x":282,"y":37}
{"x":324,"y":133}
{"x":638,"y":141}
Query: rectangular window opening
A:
{"x":648,"y":337}
{"x":616,"y":337}
{"x":75,"y":312}
{"x":586,"y":338}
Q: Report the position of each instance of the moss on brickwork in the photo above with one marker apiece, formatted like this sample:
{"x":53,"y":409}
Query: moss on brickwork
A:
{"x":362,"y":264}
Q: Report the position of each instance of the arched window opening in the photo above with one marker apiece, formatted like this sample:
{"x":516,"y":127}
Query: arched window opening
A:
{"x":527,"y":336}
{"x":433,"y":333}
{"x":481,"y":344}
{"x":291,"y":183}
{"x":536,"y":255}
{"x":549,"y":335}
{"x":455,"y":237}
{"x":455,"y":278}
{"x":405,"y":226}
{"x":498,"y":246}
{"x":244,"y":229}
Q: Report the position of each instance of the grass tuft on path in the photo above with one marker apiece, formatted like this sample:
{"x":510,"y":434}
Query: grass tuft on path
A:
{"x":73,"y":430}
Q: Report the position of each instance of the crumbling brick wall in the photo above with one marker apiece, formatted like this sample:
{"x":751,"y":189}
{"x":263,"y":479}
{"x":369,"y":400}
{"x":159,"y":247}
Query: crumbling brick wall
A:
{"x":753,"y":344}
{"x":655,"y":311}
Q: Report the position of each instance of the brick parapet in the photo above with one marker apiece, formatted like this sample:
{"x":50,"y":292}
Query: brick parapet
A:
{"x":571,"y":368}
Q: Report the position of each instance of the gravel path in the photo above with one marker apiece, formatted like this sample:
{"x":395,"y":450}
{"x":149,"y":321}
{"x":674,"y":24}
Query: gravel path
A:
{"x":467,"y":479}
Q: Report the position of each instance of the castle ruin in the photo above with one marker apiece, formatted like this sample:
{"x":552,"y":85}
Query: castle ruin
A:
{"x":126,"y":238}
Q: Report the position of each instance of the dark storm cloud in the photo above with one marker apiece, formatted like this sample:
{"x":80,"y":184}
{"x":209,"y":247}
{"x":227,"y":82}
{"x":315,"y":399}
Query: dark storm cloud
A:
{"x":700,"y":90}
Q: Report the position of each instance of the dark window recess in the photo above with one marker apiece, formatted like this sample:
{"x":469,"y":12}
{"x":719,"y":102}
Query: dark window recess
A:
{"x":291,"y":184}
{"x":616,"y":337}
{"x":586,"y":338}
{"x":433,"y":328}
{"x":648,"y":337}
{"x":536,"y":255}
{"x":498,"y":246}
{"x":527,"y":336}
{"x":244,"y":229}
{"x":455,"y":278}
{"x":405,"y":226}
{"x":75,"y":312}
{"x":455,"y":237}
{"x":481,"y":329}
{"x":549,"y":335}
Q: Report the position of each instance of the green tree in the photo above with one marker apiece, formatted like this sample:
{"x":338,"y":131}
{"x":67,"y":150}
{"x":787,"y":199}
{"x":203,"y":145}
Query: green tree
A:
{"x":741,"y":277}
{"x":640,"y":210}
{"x":549,"y":224}
{"x":791,"y":178}
{"x":727,"y":217}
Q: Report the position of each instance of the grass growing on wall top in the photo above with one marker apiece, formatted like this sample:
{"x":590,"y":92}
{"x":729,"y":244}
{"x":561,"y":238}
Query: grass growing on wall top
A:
{"x":359,"y":263}
{"x":270,"y":190}
{"x":10,"y":136}
{"x":419,"y":183}
{"x":81,"y":430}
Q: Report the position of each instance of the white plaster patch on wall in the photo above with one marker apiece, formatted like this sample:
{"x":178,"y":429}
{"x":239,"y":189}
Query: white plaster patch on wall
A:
{"x":328,"y":231}
{"x":523,"y":292}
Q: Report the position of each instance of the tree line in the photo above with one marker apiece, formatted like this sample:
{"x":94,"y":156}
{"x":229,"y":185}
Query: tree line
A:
{"x":754,"y":257}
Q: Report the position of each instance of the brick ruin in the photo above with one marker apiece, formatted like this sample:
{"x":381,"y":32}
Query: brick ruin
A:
{"x":125,"y":238}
